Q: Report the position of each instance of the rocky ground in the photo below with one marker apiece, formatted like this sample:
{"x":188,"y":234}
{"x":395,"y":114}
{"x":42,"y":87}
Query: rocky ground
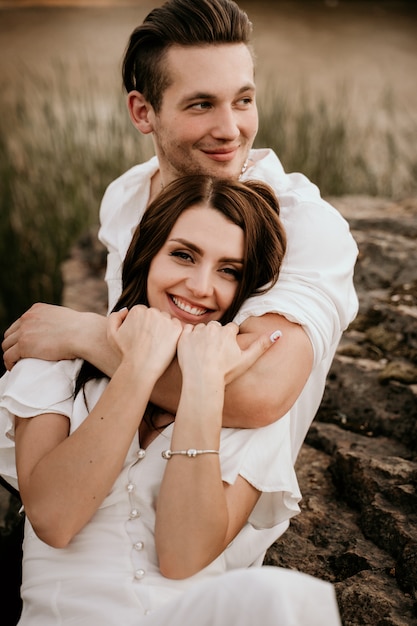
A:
{"x":358,"y":467}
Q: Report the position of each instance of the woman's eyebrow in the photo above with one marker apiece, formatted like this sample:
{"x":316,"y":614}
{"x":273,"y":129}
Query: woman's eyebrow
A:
{"x":198,"y":250}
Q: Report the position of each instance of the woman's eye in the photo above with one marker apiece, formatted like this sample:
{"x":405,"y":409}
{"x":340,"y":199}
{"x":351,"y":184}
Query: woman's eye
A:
{"x":232,"y":272}
{"x":181,"y":254}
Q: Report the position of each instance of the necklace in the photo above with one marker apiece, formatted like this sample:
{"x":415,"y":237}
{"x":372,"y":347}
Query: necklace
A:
{"x":242,"y":171}
{"x":244,"y":168}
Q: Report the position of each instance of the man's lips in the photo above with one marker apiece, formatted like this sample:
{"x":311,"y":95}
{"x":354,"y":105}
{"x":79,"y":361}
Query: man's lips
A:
{"x":221,"y":155}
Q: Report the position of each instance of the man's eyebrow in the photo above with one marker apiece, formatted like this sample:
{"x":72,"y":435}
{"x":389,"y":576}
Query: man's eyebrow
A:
{"x":203,"y":95}
{"x":198,"y":250}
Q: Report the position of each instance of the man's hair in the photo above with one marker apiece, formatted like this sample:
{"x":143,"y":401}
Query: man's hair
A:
{"x":182,"y":23}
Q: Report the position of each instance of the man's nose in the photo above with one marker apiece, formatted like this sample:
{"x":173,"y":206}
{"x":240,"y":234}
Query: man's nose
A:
{"x":225,"y":124}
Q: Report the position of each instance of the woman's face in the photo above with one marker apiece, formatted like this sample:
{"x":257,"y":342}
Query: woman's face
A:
{"x":195,"y":275}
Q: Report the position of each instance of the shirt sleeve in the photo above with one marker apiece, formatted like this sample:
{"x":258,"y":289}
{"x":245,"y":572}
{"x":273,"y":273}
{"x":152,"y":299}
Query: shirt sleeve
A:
{"x":121,"y":209}
{"x":315,"y":286}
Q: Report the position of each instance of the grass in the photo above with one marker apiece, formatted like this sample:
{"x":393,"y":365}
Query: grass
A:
{"x":60,"y":147}
{"x":340,"y":151}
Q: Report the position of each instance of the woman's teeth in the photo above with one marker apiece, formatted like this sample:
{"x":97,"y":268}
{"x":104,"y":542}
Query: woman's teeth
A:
{"x":192,"y":310}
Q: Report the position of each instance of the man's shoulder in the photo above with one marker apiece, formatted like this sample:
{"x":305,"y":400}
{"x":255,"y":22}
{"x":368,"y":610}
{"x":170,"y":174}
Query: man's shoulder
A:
{"x":296,"y":193}
{"x":127,"y":195}
{"x":134,"y":177}
{"x":266,"y":166}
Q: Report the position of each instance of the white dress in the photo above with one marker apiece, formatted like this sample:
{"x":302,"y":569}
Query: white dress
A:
{"x":109,"y":575}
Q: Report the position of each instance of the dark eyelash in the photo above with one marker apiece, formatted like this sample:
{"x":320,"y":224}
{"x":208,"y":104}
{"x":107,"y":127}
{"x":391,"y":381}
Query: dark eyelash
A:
{"x":180,"y":254}
{"x":236,"y":273}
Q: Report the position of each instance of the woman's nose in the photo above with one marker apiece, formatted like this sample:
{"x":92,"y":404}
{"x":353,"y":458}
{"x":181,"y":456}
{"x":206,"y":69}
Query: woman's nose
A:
{"x":200,"y":283}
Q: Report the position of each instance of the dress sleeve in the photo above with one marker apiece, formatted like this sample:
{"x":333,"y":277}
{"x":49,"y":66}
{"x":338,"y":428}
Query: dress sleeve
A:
{"x":263,"y":457}
{"x":31,"y":388}
{"x":34,"y":387}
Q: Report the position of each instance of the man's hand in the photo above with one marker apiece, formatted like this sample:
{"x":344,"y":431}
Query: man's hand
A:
{"x":48,"y":332}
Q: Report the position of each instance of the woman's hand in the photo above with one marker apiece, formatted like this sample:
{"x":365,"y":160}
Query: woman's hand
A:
{"x":144,"y":336}
{"x":212,"y":350}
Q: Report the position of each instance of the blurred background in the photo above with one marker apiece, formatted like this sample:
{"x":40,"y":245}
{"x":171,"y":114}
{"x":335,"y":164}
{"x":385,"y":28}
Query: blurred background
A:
{"x":337,"y":99}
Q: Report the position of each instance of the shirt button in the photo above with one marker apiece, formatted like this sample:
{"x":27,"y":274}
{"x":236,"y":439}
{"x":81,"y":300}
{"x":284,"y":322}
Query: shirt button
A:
{"x":139,"y":545}
{"x":141,"y":453}
{"x":134,"y":513}
{"x":139,"y":574}
{"x":130,"y":487}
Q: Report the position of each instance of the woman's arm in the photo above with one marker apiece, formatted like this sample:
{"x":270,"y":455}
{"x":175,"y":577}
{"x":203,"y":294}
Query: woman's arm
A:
{"x":260,"y":396}
{"x":197,"y":515}
{"x":63,"y":479}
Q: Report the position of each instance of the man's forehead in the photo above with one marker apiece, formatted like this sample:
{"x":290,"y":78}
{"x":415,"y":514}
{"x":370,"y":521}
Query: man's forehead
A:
{"x":201,"y":70}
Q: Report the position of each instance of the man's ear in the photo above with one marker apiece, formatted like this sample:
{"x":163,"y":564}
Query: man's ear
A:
{"x":139,"y":111}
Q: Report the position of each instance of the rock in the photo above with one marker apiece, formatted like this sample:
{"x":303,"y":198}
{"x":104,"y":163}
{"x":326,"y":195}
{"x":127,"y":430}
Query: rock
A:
{"x":358,"y":468}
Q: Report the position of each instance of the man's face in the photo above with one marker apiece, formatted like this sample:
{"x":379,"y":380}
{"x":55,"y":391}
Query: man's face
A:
{"x":208,"y":118}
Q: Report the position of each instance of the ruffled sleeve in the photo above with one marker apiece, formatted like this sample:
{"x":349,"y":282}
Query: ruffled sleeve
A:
{"x":263,"y":457}
{"x":31,"y":388}
{"x":34,"y":387}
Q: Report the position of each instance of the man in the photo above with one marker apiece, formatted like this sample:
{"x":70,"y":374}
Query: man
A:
{"x":189,"y":75}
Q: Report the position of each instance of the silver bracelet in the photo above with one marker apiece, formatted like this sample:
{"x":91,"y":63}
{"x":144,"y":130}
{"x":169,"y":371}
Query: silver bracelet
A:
{"x":191,"y":452}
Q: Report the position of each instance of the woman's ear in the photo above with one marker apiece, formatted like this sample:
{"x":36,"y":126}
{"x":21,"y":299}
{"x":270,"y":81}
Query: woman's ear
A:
{"x":139,"y":110}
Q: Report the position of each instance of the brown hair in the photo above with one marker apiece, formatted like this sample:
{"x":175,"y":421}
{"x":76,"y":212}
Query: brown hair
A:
{"x":251,"y":205}
{"x":183,"y":23}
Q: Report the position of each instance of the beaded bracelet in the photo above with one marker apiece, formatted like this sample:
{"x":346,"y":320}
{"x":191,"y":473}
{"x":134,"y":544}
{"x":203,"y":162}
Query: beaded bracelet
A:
{"x":191,"y":452}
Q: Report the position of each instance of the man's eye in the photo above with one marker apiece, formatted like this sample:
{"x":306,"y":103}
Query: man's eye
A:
{"x":201,"y":106}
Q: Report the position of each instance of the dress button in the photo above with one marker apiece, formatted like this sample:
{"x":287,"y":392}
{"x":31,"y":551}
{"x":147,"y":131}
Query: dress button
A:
{"x":140,"y":573}
{"x":141,"y":453}
{"x":134,"y":513}
{"x":130,"y":487}
{"x":139,"y":545}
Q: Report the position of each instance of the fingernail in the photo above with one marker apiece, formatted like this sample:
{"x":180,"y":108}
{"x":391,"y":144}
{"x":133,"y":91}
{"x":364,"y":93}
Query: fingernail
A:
{"x":123,"y":309}
{"x":275,"y":336}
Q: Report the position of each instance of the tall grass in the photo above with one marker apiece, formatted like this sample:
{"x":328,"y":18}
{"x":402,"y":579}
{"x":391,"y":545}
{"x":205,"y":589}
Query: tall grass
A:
{"x":60,"y":146}
{"x":59,"y":149}
{"x":342,"y":152}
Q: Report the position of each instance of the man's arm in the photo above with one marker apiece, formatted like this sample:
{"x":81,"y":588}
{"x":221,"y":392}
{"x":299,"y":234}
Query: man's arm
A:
{"x":257,"y":398}
{"x":54,"y":333}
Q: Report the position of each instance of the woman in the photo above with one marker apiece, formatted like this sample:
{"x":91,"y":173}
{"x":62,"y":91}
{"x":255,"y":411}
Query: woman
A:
{"x":130,"y":512}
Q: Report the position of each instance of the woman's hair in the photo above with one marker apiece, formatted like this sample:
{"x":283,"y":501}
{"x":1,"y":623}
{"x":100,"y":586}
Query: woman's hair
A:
{"x":250,"y":205}
{"x":181,"y":23}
